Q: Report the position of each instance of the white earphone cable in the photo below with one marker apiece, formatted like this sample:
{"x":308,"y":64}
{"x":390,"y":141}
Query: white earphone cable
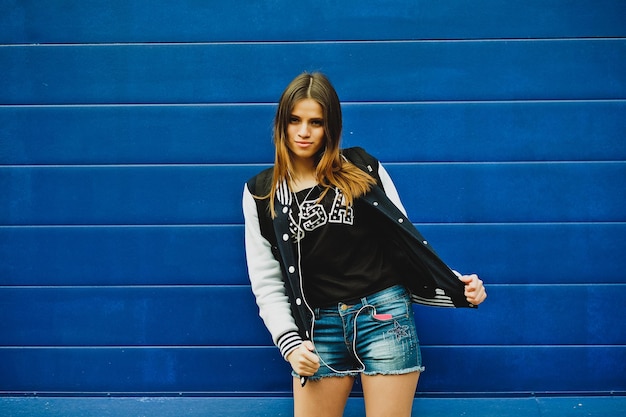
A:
{"x":312,"y":330}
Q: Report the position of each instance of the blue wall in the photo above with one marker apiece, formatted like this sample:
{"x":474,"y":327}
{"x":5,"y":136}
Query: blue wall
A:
{"x":127,"y":130}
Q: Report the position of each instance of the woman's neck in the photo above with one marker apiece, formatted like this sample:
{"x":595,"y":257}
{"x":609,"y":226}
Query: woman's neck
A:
{"x":302,"y":178}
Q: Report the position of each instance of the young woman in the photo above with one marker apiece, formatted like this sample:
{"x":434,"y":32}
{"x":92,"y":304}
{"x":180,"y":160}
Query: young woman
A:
{"x":335,"y":264}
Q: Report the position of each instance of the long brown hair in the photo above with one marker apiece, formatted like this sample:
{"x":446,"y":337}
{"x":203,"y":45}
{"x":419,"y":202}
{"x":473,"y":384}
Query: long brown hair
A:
{"x":331,"y":169}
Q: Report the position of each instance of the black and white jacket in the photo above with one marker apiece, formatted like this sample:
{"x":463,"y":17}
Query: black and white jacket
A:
{"x":273,"y":265}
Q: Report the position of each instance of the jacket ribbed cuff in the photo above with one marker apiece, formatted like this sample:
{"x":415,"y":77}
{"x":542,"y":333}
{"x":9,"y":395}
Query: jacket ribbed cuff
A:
{"x":288,"y":342}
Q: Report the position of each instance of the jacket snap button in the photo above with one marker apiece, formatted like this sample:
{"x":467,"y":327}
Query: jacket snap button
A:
{"x":375,"y":203}
{"x":400,"y":220}
{"x":285,"y":237}
{"x":292,"y":269}
{"x":425,"y":242}
{"x":285,"y":209}
{"x":298,"y":301}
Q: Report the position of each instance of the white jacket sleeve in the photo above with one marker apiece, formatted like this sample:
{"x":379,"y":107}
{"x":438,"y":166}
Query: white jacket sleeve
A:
{"x":267,"y":282}
{"x":390,"y":188}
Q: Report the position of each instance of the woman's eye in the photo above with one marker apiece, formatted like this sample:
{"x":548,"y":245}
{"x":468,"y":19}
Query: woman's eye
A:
{"x":317,"y":123}
{"x":293,"y":120}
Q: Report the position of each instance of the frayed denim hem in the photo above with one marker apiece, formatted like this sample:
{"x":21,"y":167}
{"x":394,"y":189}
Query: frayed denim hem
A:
{"x":353,"y":374}
{"x":419,"y":369}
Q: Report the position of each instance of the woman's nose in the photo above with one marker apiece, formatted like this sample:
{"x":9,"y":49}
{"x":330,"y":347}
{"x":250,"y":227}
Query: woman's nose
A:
{"x":304,"y":130}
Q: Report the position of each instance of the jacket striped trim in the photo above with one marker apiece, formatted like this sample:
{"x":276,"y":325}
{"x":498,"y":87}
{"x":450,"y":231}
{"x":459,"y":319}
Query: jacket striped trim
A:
{"x":438,"y":301}
{"x":288,"y":342}
{"x":284,"y":194}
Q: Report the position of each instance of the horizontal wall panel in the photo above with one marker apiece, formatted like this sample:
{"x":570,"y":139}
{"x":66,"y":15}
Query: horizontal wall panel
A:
{"x":547,"y":253}
{"x":394,"y":132}
{"x":178,"y":255}
{"x":136,"y":134}
{"x":27,"y":21}
{"x":121,"y":369}
{"x":131,"y":316}
{"x":200,"y":255}
{"x":201,"y":316}
{"x":531,"y":315}
{"x":475,"y":193}
{"x":124,"y":194}
{"x":533,"y":192}
{"x":489,"y":131}
{"x":253,"y":370}
{"x":404,"y":71}
{"x":523,"y":369}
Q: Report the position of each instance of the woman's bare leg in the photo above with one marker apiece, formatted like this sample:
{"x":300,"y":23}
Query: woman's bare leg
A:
{"x":325,"y":397}
{"x":389,"y":395}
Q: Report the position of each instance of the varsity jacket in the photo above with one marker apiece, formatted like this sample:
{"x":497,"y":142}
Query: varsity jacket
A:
{"x":273,"y":266}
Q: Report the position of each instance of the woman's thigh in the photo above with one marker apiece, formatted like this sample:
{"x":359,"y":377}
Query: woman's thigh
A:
{"x":389,"y":395}
{"x":325,"y":397}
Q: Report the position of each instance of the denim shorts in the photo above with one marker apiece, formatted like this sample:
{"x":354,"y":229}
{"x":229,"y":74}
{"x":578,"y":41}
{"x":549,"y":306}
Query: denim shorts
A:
{"x":374,"y":335}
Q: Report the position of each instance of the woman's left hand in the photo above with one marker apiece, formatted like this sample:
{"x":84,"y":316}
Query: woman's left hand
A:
{"x":475,"y":291}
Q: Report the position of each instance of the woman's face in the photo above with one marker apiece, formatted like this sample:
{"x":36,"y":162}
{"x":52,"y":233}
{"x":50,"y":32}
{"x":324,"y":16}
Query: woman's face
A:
{"x":305,"y":131}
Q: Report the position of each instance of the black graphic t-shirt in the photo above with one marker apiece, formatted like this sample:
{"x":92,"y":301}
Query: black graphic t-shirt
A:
{"x":343,"y":250}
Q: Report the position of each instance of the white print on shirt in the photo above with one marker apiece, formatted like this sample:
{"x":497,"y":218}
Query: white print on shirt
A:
{"x":313,"y":215}
{"x":340,"y":213}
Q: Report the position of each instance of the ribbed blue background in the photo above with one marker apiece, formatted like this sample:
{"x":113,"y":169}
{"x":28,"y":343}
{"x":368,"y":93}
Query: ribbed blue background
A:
{"x":128,"y":128}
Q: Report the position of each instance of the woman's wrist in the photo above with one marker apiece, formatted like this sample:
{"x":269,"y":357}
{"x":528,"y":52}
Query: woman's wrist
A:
{"x":289,"y":342}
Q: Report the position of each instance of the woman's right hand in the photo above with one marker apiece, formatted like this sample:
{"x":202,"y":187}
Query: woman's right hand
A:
{"x":302,"y":359}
